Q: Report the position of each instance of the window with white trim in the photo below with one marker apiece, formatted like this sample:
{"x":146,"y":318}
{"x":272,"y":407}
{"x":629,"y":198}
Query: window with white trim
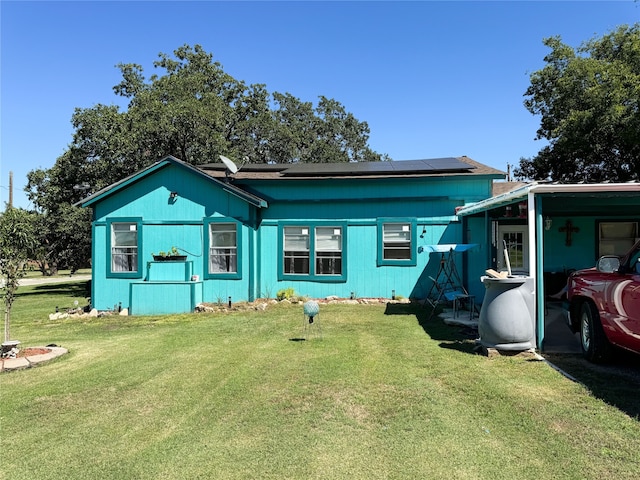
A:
{"x":396,"y":240}
{"x":296,"y":250}
{"x":313,"y":251}
{"x":328,"y":251}
{"x":223,"y":248}
{"x":124,"y":247}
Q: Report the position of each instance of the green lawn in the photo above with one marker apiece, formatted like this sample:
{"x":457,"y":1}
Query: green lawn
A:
{"x":60,"y":273}
{"x":384,"y":394}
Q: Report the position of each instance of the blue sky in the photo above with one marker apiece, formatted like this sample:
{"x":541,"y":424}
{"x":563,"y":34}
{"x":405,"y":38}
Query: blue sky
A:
{"x":431,"y":79}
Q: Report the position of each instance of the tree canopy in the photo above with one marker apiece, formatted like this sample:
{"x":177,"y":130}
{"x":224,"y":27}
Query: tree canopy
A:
{"x":194,"y":111}
{"x":589,"y":103}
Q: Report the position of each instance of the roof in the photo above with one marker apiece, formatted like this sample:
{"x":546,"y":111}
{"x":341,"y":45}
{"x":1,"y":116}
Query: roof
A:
{"x":404,"y":168}
{"x":521,"y":193}
{"x":170,"y":160}
{"x":217,"y":173}
{"x":498,"y":188}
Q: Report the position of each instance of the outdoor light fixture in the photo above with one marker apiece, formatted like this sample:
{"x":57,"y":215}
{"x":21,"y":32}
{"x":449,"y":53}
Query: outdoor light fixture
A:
{"x":424,"y":230}
{"x":173,"y":195}
{"x":547,"y":223}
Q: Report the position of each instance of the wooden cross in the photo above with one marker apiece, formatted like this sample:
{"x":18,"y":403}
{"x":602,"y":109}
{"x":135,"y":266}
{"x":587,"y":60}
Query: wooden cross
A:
{"x":569,"y":228}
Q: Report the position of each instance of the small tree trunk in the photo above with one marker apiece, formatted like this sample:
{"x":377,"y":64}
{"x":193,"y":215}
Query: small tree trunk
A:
{"x":7,"y":335}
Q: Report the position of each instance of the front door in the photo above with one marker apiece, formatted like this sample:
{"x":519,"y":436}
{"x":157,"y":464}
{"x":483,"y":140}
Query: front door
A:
{"x":517,"y":238}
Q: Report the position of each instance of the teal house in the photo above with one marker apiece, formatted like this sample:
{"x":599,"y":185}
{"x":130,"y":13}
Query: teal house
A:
{"x":349,"y":230}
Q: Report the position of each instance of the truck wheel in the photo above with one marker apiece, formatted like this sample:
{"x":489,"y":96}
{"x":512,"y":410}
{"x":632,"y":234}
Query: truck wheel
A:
{"x":595,"y":346}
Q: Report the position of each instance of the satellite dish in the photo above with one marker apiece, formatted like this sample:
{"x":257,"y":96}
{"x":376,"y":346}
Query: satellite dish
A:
{"x":229,"y":164}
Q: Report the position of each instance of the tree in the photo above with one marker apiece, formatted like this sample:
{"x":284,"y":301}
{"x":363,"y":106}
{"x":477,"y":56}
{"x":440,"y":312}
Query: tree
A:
{"x":63,"y":233}
{"x":17,"y":241}
{"x":589,"y":103}
{"x":194,"y":111}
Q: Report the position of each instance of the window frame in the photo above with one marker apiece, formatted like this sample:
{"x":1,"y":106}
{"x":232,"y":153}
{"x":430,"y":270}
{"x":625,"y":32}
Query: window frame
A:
{"x":109,"y":244}
{"x":308,"y":252}
{"x":600,"y":239}
{"x":317,"y":251}
{"x":207,"y":249}
{"x":409,"y":262}
{"x":313,"y":275}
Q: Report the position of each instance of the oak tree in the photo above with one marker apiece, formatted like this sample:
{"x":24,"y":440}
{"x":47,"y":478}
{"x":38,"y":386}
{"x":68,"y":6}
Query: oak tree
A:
{"x":588,"y":100}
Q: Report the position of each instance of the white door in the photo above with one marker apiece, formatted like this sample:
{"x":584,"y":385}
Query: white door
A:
{"x":517,"y":238}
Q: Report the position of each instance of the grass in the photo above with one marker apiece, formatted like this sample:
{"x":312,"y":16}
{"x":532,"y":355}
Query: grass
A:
{"x":60,"y":273}
{"x":384,"y":394}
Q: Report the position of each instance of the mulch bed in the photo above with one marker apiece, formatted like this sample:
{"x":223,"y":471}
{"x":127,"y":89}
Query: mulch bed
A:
{"x":31,"y":351}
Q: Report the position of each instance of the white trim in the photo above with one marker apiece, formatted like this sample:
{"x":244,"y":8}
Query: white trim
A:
{"x":526,"y":191}
{"x":533,"y":246}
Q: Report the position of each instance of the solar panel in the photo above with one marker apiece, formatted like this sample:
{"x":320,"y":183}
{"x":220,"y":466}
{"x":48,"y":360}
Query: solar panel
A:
{"x":448,"y":164}
{"x":428,"y":166}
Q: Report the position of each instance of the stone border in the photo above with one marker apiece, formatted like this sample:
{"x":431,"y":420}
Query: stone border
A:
{"x":10,"y":364}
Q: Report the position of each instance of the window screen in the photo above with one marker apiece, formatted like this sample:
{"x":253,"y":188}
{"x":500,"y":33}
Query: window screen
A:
{"x":296,"y":250}
{"x":223,"y":248}
{"x":124,"y":247}
{"x":396,"y":239}
{"x":328,"y":251}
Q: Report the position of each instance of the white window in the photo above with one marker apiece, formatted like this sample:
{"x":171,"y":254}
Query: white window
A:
{"x":396,"y":238}
{"x":616,"y":238}
{"x":296,"y":250}
{"x":328,"y":251}
{"x":124,"y":247}
{"x":516,"y":238}
{"x":223,"y":248}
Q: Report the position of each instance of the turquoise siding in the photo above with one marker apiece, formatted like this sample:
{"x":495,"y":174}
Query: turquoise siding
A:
{"x":359,"y":207}
{"x":364,"y":277}
{"x":478,"y":259}
{"x":164,"y":297}
{"x":558,"y":257}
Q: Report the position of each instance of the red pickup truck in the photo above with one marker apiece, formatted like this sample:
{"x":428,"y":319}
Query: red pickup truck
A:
{"x":604,"y":305}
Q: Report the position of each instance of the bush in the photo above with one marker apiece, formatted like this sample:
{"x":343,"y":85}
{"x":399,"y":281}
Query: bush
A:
{"x":285,"y":294}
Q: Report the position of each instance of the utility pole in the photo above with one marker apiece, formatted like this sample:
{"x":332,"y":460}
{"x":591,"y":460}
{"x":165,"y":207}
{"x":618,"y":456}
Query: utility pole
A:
{"x":10,"y":189}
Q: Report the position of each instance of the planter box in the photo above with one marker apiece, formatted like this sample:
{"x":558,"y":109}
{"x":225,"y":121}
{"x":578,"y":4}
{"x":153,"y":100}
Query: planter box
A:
{"x":169,"y":258}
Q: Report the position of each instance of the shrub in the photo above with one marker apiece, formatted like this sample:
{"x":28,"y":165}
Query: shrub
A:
{"x":285,"y":294}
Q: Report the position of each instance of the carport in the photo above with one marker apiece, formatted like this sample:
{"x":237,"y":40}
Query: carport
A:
{"x":552,"y":229}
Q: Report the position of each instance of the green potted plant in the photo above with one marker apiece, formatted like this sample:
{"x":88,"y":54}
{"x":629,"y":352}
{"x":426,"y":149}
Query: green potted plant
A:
{"x":173,"y":255}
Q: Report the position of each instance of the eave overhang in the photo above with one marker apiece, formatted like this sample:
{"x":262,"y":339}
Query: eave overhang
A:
{"x":522,"y":193}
